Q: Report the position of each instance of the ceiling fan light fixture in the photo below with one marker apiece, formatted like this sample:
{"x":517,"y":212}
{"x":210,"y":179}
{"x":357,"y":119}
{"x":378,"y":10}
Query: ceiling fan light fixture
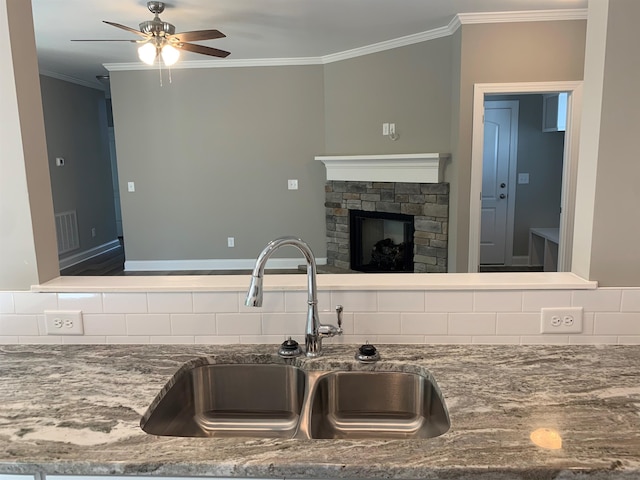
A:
{"x":148,"y":53}
{"x":170,"y":55}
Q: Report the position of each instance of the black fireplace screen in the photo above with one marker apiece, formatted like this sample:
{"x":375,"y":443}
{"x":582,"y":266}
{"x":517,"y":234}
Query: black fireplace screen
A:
{"x":381,"y":242}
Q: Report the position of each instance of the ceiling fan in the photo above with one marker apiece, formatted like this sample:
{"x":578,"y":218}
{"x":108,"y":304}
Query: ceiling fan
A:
{"x":159,"y":39}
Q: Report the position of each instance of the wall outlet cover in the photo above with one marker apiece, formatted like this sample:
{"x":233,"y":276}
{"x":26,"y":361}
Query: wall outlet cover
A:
{"x":63,"y":322}
{"x":561,"y":320}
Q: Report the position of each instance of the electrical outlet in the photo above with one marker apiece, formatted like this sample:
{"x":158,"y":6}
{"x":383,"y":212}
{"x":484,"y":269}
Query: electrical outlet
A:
{"x":231,"y":242}
{"x":385,"y":129}
{"x":63,"y":322}
{"x":561,"y":320}
{"x":292,"y":184}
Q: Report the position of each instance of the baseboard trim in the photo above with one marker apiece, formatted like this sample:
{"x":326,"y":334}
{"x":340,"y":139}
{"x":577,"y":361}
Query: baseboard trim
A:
{"x":80,"y":257}
{"x":212,"y":264}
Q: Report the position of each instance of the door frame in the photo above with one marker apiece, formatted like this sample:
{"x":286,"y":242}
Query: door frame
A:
{"x":514,"y":105}
{"x":569,"y":168}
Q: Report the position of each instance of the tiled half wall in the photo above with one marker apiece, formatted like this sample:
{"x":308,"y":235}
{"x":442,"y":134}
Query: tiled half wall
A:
{"x":611,"y":316}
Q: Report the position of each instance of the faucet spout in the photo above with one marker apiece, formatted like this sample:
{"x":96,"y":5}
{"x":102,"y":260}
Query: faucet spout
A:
{"x":314,"y":330}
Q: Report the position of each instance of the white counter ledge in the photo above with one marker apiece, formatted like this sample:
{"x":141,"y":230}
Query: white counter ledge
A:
{"x":392,"y":281}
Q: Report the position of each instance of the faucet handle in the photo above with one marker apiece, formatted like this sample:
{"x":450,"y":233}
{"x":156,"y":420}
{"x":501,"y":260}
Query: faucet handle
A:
{"x":339,"y":314}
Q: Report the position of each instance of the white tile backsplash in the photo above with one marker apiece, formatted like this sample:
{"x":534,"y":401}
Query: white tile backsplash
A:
{"x":169,"y":303}
{"x":214,"y":302}
{"x":149,"y":324}
{"x":611,"y":315}
{"x":193,"y":324}
{"x":87,"y":302}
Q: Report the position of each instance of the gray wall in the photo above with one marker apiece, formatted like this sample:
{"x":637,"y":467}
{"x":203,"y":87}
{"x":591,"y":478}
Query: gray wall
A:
{"x":540,"y":154}
{"x":76,"y":129}
{"x":615,"y":256}
{"x":501,"y":53}
{"x":210,"y":155}
{"x":409,"y":86}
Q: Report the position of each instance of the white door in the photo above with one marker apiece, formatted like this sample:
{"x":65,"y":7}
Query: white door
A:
{"x":498,"y":167}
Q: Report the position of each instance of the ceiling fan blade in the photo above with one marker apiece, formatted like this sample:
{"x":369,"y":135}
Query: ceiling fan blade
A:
{"x":88,"y":40}
{"x":192,"y":47}
{"x":198,"y":35}
{"x":124,"y":27}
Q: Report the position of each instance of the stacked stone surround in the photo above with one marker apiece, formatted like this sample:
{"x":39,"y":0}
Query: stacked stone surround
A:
{"x":427,"y":202}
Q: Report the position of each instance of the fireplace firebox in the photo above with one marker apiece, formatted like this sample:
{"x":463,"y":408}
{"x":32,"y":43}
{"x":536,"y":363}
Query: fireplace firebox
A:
{"x":381,"y":242}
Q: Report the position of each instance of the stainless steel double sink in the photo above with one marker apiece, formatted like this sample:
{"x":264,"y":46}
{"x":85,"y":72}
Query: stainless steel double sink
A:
{"x":285,"y":401}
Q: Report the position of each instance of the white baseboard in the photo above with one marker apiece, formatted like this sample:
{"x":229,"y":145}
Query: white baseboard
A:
{"x":213,"y":264}
{"x":80,"y":257}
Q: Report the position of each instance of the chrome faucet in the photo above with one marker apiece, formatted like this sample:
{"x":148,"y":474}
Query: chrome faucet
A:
{"x":314,"y":331}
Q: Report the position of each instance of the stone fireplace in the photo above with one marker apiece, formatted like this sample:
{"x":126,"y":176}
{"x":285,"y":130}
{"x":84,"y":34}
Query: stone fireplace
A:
{"x":427,"y":203}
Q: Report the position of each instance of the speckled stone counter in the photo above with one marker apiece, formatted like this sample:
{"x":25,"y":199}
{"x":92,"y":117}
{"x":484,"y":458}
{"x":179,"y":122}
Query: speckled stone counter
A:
{"x":76,"y":410}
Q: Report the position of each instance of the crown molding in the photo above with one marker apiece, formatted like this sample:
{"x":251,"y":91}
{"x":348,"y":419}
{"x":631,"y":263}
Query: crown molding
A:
{"x":455,"y":23}
{"x":77,"y":81}
{"x":523,"y":16}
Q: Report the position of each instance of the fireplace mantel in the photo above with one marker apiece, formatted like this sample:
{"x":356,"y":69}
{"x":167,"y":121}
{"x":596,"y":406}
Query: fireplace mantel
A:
{"x":412,"y":167}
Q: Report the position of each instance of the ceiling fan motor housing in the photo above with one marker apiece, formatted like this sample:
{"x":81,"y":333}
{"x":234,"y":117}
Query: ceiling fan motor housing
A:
{"x":157,"y":27}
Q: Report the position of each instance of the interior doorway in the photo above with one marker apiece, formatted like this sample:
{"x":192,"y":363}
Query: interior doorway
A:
{"x":568,"y":168}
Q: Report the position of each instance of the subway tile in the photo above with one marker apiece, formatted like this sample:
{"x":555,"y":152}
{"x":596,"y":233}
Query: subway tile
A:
{"x":355,"y":301}
{"x":617,"y":324}
{"x":128,"y":339}
{"x":27,"y":302}
{"x":496,"y":340}
{"x":397,"y":339}
{"x":238,"y":324}
{"x":593,"y":340}
{"x":296,"y":301}
{"x":497,"y":301}
{"x":124,"y":302}
{"x":274,"y":340}
{"x":214,"y":302}
{"x":8,"y":339}
{"x":448,"y":339}
{"x":6,"y":303}
{"x":193,"y":324}
{"x":40,"y":339}
{"x":355,"y":340}
{"x":217,"y":339}
{"x":629,"y":340}
{"x":148,"y":324}
{"x":376,"y":323}
{"x":630,"y":300}
{"x":396,"y":301}
{"x":18,"y":325}
{"x":518,"y":324}
{"x":105,"y":324}
{"x":169,"y":302}
{"x":472,"y":324}
{"x":544,"y":340}
{"x":87,"y":302}
{"x":423,"y":323}
{"x":271,"y":302}
{"x":448,"y":301}
{"x":84,"y":339}
{"x":600,"y":300}
{"x":283,"y":324}
{"x":534,"y":300}
{"x":171,"y":339}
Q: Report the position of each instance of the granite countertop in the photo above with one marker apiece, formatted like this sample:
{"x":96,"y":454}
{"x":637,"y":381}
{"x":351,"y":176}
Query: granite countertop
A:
{"x":76,"y":410}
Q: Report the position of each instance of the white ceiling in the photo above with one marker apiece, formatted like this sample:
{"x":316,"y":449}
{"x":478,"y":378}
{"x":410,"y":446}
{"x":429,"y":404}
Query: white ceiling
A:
{"x":255,"y":29}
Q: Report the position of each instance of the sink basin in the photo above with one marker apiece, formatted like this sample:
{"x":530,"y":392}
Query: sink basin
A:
{"x":237,"y":400}
{"x":284,"y":401}
{"x":377,"y":405}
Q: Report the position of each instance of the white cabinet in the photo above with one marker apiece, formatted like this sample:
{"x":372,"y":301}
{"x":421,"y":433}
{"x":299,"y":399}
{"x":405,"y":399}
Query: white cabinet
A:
{"x":554,"y":112}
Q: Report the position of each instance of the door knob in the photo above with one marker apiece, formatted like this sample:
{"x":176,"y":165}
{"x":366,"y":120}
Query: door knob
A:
{"x":502,"y":185}
{"x":502,"y":195}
